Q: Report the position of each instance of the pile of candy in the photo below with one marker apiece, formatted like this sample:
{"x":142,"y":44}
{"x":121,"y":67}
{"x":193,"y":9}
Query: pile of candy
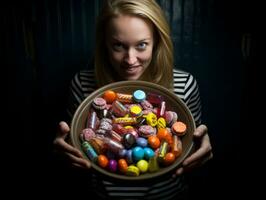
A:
{"x":132,"y":134}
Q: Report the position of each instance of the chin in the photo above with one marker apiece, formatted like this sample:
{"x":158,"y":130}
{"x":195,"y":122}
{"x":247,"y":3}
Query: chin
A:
{"x":132,"y":78}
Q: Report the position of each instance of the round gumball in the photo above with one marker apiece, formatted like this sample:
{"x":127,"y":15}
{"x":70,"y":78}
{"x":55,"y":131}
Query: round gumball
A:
{"x":162,"y":133}
{"x":169,"y":158}
{"x":142,"y":142}
{"x":122,"y":165}
{"x":129,"y":156}
{"x":122,"y":153}
{"x":154,"y":141}
{"x":128,"y":140}
{"x":137,"y":153}
{"x":142,"y":165}
{"x":148,"y":153}
{"x":109,"y":96}
{"x":112,"y":165}
{"x":102,"y":161}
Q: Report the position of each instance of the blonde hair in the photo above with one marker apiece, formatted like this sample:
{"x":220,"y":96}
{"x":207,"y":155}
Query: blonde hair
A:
{"x":160,"y":70}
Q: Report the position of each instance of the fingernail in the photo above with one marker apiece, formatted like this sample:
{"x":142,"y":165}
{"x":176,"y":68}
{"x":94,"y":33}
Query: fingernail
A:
{"x":179,"y":171}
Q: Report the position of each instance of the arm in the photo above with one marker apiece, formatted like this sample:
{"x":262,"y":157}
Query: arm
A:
{"x":203,"y":151}
{"x":61,"y":146}
{"x":73,"y":155}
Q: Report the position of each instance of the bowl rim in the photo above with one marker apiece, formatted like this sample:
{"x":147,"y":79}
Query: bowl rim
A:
{"x":97,"y":92}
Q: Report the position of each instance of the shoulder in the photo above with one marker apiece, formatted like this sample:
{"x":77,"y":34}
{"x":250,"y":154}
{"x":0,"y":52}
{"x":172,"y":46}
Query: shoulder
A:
{"x":185,"y":85}
{"x":84,"y":76}
{"x":84,"y":81}
{"x":181,"y":74}
{"x":185,"y":77}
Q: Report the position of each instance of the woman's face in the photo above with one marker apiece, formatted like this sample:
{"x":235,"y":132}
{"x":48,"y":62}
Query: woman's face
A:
{"x":130,"y":42}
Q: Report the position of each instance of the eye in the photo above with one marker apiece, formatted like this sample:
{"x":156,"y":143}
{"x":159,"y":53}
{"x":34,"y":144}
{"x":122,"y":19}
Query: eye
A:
{"x":118,"y":46}
{"x":142,"y":46}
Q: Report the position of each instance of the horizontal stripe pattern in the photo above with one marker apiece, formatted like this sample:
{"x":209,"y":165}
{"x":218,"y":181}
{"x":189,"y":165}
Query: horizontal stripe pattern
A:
{"x":185,"y":87}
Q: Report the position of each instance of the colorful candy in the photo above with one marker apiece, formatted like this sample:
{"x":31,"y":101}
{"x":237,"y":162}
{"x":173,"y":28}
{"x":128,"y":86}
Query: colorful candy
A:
{"x":179,"y":128}
{"x":139,"y":96}
{"x":110,"y":96}
{"x":143,"y":166}
{"x":103,"y":161}
{"x":154,"y":141}
{"x":132,"y":134}
{"x":132,"y":171}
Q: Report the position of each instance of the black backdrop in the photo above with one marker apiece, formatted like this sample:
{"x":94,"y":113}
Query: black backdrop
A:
{"x":45,"y":42}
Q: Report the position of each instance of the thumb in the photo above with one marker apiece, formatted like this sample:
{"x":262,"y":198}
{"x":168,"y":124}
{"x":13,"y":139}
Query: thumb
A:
{"x":201,"y":130}
{"x":63,"y":130}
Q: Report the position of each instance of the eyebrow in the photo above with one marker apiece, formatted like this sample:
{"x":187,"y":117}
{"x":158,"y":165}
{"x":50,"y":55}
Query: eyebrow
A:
{"x":142,"y":40}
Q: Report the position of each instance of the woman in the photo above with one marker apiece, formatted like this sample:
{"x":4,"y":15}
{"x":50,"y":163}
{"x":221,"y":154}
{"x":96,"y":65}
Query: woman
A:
{"x":133,"y":43}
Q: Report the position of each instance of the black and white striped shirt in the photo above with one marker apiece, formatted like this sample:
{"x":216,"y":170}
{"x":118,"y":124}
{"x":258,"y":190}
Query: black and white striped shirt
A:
{"x":185,"y":86}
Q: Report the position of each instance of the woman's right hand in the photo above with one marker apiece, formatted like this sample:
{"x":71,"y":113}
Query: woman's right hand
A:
{"x":72,"y":154}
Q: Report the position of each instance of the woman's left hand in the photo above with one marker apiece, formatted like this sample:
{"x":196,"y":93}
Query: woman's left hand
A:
{"x":202,"y":154}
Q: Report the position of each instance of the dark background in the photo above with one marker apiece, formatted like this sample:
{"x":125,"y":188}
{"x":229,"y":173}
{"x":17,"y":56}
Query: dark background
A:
{"x":45,"y":42}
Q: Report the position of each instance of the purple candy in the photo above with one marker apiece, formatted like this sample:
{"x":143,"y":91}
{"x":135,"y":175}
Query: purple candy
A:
{"x":112,"y":165}
{"x":142,"y":142}
{"x":122,"y":153}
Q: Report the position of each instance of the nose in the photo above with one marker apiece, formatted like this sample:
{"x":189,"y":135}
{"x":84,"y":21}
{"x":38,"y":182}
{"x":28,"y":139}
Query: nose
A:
{"x":130,"y":57}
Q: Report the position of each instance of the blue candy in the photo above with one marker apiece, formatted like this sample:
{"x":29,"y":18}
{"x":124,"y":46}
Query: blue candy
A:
{"x":137,"y":153}
{"x":148,"y":153}
{"x":139,"y":95}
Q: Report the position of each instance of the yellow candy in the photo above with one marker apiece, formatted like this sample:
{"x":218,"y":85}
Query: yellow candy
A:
{"x":129,"y":127}
{"x":135,"y":111}
{"x":125,"y":120}
{"x":151,"y":119}
{"x":132,"y":171}
{"x":153,"y":165}
{"x":142,"y":165}
{"x":161,"y":123}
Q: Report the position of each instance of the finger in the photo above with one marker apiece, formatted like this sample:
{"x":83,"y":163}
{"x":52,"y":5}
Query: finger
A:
{"x":180,"y":171}
{"x":79,"y":161}
{"x":197,"y":163}
{"x":78,"y":166}
{"x":63,"y":130}
{"x":65,"y":147}
{"x":204,"y":149}
{"x":201,"y":130}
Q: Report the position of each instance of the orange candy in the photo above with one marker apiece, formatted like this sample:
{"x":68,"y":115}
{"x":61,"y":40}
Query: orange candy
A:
{"x":176,"y":146}
{"x":169,"y":158}
{"x":179,"y":128}
{"x":163,"y":134}
{"x":103,"y":161}
{"x":122,"y":165}
{"x":154,"y":141}
{"x":109,"y":96}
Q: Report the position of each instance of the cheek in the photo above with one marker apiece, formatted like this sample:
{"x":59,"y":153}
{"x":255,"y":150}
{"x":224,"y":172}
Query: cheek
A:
{"x":115,"y":58}
{"x":146,"y":56}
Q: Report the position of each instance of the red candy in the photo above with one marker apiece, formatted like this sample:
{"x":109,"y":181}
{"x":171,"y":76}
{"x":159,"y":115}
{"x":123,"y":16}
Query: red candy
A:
{"x":113,"y":142}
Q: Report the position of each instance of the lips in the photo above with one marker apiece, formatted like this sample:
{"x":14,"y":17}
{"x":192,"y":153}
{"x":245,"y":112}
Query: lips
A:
{"x":131,"y":69}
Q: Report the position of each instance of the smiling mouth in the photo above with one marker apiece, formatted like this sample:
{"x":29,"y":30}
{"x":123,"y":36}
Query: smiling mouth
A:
{"x":130,"y":66}
{"x":131,"y":69}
